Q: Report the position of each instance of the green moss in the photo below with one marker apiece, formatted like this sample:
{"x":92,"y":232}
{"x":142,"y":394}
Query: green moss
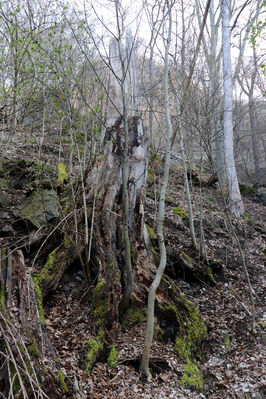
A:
{"x":151,"y":233}
{"x":46,"y":273}
{"x":186,"y":257}
{"x":61,"y":379}
{"x":181,"y":213}
{"x":111,"y":361}
{"x":2,"y":297}
{"x":62,"y":173}
{"x":248,"y":190}
{"x":181,"y":348}
{"x":99,"y":302}
{"x":2,"y":284}
{"x":38,"y":293}
{"x":249,"y":219}
{"x":43,"y":168}
{"x":151,"y":175}
{"x":191,"y":332}
{"x":133,"y":316}
{"x":68,"y":241}
{"x":65,"y":199}
{"x":196,"y":329}
{"x":2,"y":172}
{"x":215,"y":262}
{"x":32,"y":348}
{"x":15,"y":389}
{"x":134,"y":254}
{"x":210,"y":275}
{"x":192,"y":376}
{"x":66,"y":202}
{"x":210,"y":197}
{"x":3,"y":184}
{"x":95,"y":346}
{"x":227,"y":339}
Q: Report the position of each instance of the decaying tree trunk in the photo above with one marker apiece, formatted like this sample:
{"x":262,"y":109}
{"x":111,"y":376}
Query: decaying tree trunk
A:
{"x":24,"y":343}
{"x":109,"y":232}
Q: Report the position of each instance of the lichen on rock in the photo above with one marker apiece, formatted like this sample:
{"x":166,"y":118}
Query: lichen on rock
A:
{"x":40,"y":208}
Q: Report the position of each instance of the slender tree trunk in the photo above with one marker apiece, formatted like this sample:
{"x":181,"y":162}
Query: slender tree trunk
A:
{"x":235,"y":201}
{"x":255,"y":146}
{"x":144,"y":367}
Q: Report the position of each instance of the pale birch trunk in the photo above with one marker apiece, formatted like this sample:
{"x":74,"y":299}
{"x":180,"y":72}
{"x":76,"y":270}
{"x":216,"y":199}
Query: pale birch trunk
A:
{"x":213,"y":58}
{"x":215,"y":62}
{"x":235,"y":202}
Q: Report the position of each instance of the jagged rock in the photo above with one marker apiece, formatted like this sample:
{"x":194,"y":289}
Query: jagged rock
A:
{"x":39,"y":208}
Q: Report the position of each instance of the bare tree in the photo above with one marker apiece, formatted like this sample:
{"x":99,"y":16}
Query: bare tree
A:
{"x":248,"y":88}
{"x":144,"y":367}
{"x":235,"y":201}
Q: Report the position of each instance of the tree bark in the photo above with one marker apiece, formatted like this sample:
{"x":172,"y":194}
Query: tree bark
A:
{"x":235,"y":201}
{"x":121,"y":171}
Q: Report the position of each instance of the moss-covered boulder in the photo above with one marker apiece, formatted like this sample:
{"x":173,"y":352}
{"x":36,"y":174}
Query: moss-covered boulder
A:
{"x":184,"y":318}
{"x":96,"y":345}
{"x":40,"y":208}
{"x":133,"y":316}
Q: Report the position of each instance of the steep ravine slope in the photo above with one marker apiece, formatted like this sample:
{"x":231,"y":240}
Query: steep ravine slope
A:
{"x":233,"y":359}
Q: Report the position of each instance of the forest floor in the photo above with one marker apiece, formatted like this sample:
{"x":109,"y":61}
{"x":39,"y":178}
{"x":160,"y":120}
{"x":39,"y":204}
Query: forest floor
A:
{"x":234,"y":361}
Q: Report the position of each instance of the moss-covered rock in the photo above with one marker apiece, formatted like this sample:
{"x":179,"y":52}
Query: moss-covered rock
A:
{"x":133,"y":316}
{"x":96,"y":345}
{"x":192,"y":376}
{"x":46,"y":274}
{"x":190,"y":332}
{"x":41,"y":207}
